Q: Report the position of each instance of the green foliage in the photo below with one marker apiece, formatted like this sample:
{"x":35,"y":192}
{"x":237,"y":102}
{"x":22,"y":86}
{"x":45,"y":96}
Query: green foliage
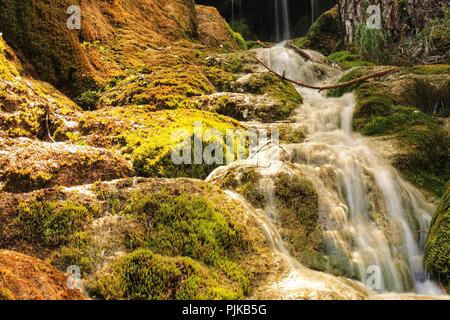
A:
{"x":237,"y":37}
{"x":143,"y":275}
{"x":371,"y":44}
{"x":51,"y":223}
{"x":437,"y":251}
{"x":348,"y":60}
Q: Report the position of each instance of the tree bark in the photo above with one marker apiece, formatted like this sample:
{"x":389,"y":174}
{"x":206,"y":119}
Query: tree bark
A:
{"x":354,"y":12}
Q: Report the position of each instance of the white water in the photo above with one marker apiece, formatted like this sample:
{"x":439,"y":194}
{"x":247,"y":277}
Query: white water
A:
{"x":371,"y":217}
{"x":281,"y":27}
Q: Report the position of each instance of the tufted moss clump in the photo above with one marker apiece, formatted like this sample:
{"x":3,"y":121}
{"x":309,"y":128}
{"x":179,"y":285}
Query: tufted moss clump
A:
{"x":437,"y":251}
{"x":191,"y":248}
{"x":186,"y":226}
{"x":144,"y":275}
{"x":50,"y":223}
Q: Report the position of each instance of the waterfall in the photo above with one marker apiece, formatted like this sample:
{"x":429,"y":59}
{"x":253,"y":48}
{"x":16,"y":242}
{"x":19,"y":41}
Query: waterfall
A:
{"x":313,"y":11}
{"x":371,"y":217}
{"x":281,"y":27}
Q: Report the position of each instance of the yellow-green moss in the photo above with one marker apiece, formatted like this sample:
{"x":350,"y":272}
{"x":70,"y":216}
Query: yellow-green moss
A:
{"x":437,"y":251}
{"x":50,"y":223}
{"x":38,"y":29}
{"x":8,"y":70}
{"x":143,"y":275}
{"x":148,"y":137}
{"x":323,"y":35}
{"x":159,"y":87}
{"x":348,"y":60}
{"x":430,"y":69}
{"x":282,"y":91}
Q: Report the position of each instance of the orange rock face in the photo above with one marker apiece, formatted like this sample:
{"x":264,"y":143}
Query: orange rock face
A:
{"x":25,"y":278}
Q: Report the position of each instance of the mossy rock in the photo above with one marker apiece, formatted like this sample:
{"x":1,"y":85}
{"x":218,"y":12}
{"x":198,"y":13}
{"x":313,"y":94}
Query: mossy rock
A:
{"x":39,"y":30}
{"x":323,"y":35}
{"x":295,"y":209}
{"x":437,"y":251}
{"x":192,"y":237}
{"x":348,"y":60}
{"x":143,"y":275}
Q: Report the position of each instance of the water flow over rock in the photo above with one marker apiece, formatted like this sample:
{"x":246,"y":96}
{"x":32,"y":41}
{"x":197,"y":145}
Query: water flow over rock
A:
{"x":372,"y":221}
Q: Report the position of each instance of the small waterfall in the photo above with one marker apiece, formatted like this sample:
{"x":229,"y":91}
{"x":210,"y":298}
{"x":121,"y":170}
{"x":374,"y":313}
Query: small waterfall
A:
{"x":313,"y":11}
{"x":281,"y":27}
{"x":371,"y":217}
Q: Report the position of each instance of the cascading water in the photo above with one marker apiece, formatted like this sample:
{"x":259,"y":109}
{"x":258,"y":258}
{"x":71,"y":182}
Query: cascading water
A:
{"x":372,"y":219}
{"x":281,"y":27}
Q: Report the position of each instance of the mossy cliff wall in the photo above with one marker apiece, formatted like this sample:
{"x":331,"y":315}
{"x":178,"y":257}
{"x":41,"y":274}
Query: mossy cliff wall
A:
{"x":437,"y":252}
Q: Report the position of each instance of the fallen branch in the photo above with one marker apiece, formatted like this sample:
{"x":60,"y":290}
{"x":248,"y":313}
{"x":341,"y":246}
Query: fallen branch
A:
{"x":332,"y":86}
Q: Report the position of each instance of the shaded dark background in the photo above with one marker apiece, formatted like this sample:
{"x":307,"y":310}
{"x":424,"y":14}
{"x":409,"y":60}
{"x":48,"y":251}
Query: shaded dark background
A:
{"x":255,"y":19}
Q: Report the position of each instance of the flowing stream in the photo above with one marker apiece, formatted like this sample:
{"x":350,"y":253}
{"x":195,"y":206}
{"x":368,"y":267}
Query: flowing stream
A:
{"x":373,"y":221}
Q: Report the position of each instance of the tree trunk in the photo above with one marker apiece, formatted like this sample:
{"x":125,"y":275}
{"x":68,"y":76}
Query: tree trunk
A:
{"x":354,"y":12}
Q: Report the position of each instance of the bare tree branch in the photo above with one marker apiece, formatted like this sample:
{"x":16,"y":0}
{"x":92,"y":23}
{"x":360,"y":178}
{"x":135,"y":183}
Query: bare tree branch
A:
{"x":333,"y":86}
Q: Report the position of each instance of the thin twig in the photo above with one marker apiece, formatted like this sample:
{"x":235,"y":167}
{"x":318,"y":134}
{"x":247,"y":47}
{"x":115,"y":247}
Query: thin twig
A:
{"x":333,"y":86}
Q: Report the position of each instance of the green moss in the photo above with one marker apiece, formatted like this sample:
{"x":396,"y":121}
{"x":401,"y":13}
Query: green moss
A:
{"x":348,"y":60}
{"x":348,"y":76}
{"x":78,"y":251}
{"x":171,"y":218}
{"x":143,"y":275}
{"x":430,"y":69}
{"x":51,"y":223}
{"x":323,"y":35}
{"x":282,"y":91}
{"x":150,"y":141}
{"x":50,"y":46}
{"x":159,"y":87}
{"x":425,"y":162}
{"x":191,"y":250}
{"x":437,"y":251}
{"x":8,"y":70}
{"x":237,"y":37}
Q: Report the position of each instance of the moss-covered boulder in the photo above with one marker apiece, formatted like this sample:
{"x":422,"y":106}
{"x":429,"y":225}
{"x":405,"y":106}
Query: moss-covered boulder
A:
{"x":142,"y":238}
{"x":437,"y":251}
{"x":323,"y":36}
{"x":27,"y":278}
{"x":29,"y":164}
